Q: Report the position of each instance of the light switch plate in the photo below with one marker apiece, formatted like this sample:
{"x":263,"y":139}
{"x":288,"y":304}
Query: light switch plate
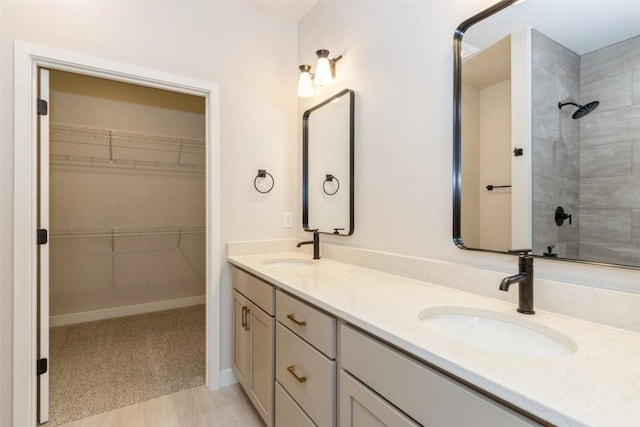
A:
{"x":288,"y":220}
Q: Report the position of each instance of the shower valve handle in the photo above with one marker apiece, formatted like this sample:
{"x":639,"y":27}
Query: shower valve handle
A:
{"x":561,"y":216}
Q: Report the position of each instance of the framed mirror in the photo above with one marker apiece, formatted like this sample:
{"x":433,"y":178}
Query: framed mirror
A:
{"x":327,"y":169}
{"x":547,"y":130}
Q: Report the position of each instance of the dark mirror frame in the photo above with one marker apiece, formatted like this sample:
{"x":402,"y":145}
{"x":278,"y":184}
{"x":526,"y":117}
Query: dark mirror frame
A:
{"x":457,"y":119}
{"x":305,"y":161}
{"x":457,"y":139}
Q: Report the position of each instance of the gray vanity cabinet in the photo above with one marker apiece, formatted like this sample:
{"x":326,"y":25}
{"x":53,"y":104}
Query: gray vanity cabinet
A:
{"x":253,"y":340}
{"x":305,"y":364}
{"x":422,"y":393}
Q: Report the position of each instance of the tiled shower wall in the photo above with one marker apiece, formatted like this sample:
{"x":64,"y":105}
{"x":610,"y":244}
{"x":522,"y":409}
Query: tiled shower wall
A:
{"x":556,"y":78}
{"x":610,"y":154}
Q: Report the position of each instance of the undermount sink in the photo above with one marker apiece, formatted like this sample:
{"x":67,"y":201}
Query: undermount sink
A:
{"x":288,"y":262}
{"x":497,"y":332}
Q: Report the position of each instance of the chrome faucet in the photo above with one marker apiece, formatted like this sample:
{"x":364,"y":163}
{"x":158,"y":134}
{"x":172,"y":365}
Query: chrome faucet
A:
{"x":525,"y":280}
{"x":315,"y":242}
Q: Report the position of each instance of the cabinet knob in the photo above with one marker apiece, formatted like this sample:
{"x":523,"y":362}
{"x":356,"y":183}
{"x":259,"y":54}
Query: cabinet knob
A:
{"x":292,"y":317}
{"x":292,"y":370}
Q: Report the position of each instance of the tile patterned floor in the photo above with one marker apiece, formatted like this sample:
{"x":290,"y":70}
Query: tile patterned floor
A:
{"x":196,"y":407}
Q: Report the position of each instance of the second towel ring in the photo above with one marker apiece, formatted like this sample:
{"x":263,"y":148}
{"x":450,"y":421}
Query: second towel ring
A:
{"x":330,"y":178}
{"x":262,"y":173}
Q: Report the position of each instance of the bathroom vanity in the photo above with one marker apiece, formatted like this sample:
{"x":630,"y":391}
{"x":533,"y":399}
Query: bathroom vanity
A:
{"x":311,"y":375}
{"x":352,"y":347}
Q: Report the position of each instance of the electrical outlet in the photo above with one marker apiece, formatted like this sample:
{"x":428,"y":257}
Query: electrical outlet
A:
{"x":288,"y":220}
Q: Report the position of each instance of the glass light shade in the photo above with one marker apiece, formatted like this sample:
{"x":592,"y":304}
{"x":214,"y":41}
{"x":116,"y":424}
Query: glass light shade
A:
{"x":305,"y":85}
{"x":323,"y":71}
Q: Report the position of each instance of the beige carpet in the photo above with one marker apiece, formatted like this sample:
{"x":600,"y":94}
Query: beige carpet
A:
{"x":99,"y":366}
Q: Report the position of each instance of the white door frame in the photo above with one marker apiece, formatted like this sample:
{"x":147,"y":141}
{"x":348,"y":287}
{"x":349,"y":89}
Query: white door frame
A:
{"x":43,"y":250}
{"x":27,"y":59}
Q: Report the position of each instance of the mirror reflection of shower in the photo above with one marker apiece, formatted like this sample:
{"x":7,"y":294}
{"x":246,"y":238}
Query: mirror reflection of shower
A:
{"x":582,"y":110}
{"x":560,"y":153}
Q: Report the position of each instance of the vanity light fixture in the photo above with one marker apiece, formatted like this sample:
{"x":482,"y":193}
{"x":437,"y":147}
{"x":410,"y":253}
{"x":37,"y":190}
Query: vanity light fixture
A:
{"x":325,"y":67}
{"x":325,"y":73}
{"x":305,"y":86}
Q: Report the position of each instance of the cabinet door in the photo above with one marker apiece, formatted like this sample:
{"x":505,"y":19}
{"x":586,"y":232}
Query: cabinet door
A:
{"x":241,"y":341}
{"x":360,"y":407}
{"x":288,"y":413}
{"x":261,"y":327}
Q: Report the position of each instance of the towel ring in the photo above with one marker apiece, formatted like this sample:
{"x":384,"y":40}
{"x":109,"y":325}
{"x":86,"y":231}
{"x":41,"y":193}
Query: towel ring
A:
{"x":330,"y":178}
{"x":262,"y":173}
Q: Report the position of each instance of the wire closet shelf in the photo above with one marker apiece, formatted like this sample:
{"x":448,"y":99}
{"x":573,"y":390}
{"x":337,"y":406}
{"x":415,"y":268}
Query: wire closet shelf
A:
{"x":74,"y":145}
{"x":102,"y":240}
{"x":118,"y":255}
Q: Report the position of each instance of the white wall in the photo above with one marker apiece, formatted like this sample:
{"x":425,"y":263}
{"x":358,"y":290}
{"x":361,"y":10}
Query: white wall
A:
{"x":93,"y":101}
{"x":495,"y":166}
{"x":251,"y":55}
{"x":521,"y":171}
{"x":6,"y":304}
{"x":398,"y":59}
{"x":470,"y":136}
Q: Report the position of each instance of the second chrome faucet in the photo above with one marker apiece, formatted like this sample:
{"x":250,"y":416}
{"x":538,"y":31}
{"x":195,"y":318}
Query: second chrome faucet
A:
{"x":525,"y":280}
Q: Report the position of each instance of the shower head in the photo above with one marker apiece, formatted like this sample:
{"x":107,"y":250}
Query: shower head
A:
{"x":582,"y":110}
{"x":585,"y":109}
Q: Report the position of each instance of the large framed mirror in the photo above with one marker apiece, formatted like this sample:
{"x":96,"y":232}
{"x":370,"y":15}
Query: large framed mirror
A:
{"x":327,"y":168}
{"x":547,"y":130}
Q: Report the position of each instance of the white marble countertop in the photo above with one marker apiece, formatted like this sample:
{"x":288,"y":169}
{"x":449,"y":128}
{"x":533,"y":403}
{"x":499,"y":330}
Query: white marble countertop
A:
{"x":598,"y":385}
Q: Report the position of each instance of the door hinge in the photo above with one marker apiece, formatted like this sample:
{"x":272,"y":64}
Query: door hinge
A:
{"x":42,"y":236}
{"x":42,"y":366}
{"x":43,"y":107}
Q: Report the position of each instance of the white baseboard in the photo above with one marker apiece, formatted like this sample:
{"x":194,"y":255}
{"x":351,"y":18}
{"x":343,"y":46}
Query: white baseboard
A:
{"x":227,"y":378}
{"x":128,"y":310}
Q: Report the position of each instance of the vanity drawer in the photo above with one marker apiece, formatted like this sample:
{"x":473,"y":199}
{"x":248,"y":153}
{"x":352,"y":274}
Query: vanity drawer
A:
{"x":424,"y":394}
{"x":259,"y":292}
{"x":314,"y":326}
{"x":288,"y":413}
{"x":307,"y":375}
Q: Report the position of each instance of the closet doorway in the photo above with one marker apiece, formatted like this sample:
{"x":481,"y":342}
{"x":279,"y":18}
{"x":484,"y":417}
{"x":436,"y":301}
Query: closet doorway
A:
{"x":126,"y":267}
{"x":29,"y":347}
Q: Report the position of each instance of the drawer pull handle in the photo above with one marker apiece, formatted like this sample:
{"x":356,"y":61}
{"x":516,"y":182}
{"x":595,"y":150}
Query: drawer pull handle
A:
{"x":245,"y":318}
{"x":292,"y":369}
{"x":292,"y":317}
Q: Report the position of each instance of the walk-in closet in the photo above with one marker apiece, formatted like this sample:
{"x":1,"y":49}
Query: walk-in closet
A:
{"x":127,"y":244}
